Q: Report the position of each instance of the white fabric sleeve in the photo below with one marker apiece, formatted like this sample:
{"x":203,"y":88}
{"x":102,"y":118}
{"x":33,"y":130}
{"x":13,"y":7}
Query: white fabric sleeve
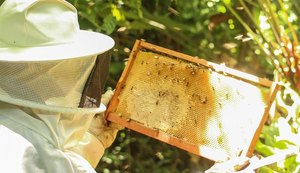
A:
{"x":27,"y":146}
{"x":15,"y":151}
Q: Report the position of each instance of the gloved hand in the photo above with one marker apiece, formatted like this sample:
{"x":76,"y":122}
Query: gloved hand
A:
{"x":105,"y":132}
{"x":100,"y":135}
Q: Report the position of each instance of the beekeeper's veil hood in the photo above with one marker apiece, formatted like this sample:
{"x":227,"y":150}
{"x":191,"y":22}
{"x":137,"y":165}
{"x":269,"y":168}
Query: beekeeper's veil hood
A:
{"x":44,"y":57}
{"x":49,"y":66}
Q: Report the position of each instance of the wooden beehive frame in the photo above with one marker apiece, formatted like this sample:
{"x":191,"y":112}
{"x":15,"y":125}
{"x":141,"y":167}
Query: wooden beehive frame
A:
{"x":112,"y":116}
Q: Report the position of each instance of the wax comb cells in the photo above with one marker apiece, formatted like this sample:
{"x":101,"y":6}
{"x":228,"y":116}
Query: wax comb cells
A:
{"x":201,"y":107}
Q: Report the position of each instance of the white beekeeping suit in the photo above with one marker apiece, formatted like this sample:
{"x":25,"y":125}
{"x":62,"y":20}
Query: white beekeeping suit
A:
{"x":50,"y":121}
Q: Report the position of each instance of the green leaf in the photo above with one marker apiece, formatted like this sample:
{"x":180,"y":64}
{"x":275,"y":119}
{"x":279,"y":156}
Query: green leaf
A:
{"x":269,"y":134}
{"x":291,"y":164}
{"x":227,"y":2}
{"x":117,"y":13}
{"x":264,"y":149}
{"x":265,"y":170}
{"x":109,"y":24}
{"x":283,"y":144}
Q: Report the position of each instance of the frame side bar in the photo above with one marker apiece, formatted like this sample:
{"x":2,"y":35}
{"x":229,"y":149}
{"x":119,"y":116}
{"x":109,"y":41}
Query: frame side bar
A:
{"x":113,"y":104}
{"x":255,"y":138}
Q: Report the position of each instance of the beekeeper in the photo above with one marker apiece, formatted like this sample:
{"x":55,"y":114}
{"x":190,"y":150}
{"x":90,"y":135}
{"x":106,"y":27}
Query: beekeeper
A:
{"x":51,"y":81}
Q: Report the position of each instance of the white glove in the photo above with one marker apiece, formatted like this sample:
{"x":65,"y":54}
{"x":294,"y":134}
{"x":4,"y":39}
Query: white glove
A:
{"x":104,"y":132}
{"x":99,"y":136}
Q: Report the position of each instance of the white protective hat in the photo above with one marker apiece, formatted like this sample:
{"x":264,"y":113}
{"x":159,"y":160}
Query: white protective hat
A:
{"x":41,"y":30}
{"x":40,"y":41}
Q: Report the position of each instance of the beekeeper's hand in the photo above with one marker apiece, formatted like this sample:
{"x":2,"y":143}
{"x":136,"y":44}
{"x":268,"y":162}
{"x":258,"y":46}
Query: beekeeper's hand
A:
{"x":105,"y":132}
{"x":230,"y":166}
{"x":100,"y":135}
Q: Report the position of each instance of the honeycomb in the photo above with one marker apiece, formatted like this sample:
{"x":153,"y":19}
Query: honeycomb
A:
{"x":192,"y":102}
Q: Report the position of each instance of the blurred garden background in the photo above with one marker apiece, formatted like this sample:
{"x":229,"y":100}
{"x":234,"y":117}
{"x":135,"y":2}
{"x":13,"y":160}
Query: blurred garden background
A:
{"x":259,"y":37}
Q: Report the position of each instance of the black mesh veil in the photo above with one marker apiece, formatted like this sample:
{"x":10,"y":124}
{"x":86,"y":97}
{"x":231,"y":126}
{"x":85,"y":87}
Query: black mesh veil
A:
{"x":91,"y":95}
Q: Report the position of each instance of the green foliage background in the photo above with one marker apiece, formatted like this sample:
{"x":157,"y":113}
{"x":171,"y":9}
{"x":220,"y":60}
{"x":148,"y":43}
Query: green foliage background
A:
{"x":230,"y":32}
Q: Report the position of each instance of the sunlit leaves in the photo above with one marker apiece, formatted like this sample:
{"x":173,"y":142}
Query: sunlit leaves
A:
{"x":109,"y":24}
{"x":275,"y":32}
{"x":263,"y":23}
{"x":222,"y":9}
{"x":227,"y":2}
{"x":117,"y":13}
{"x":283,"y":133}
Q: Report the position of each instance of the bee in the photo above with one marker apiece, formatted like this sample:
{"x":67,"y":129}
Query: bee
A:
{"x":187,"y":84}
{"x":203,"y":101}
{"x":220,"y":104}
{"x":227,"y":95}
